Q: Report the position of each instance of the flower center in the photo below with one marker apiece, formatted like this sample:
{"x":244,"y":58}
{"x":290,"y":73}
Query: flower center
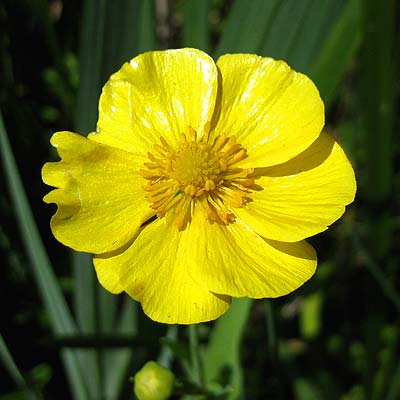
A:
{"x":198,"y":173}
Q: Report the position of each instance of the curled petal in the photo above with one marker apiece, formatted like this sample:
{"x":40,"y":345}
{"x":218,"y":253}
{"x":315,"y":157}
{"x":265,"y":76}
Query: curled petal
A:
{"x":100,"y":201}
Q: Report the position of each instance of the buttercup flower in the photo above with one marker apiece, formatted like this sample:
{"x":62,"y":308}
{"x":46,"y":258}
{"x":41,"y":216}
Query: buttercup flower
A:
{"x":200,"y":183}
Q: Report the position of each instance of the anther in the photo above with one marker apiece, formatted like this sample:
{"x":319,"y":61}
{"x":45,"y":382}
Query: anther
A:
{"x":197,"y":173}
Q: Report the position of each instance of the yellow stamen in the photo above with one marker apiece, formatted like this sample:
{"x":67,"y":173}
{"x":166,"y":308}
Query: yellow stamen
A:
{"x":197,"y":173}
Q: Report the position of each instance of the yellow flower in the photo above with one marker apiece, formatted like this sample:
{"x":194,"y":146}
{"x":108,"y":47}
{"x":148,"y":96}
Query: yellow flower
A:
{"x":200,"y":183}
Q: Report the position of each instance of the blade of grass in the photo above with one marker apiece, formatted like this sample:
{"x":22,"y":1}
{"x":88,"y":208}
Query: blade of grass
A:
{"x":166,"y":355}
{"x":301,"y":34}
{"x":11,"y":367}
{"x":316,"y":37}
{"x":271,"y":331}
{"x":88,"y":93}
{"x":291,"y":30}
{"x":85,"y":295}
{"x":196,"y":365}
{"x":129,"y":29}
{"x":117,"y":362}
{"x":317,"y":23}
{"x":195,"y":24}
{"x":246,"y":26}
{"x":284,"y":30}
{"x":146,"y":27}
{"x":377,"y":90}
{"x":337,"y":52}
{"x":223,"y":353}
{"x":46,"y":280}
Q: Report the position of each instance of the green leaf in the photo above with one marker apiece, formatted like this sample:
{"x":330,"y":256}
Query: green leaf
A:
{"x":146,"y":28}
{"x":287,"y":22}
{"x":377,"y":106}
{"x":222,"y":357}
{"x":246,"y":26}
{"x":309,"y":39}
{"x":85,"y":295}
{"x":337,"y":52}
{"x":195,"y":24}
{"x":378,"y":82}
{"x":316,"y":37}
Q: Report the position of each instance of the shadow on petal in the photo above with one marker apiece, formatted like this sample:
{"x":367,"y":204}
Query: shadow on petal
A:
{"x":309,"y":159}
{"x":292,"y":250}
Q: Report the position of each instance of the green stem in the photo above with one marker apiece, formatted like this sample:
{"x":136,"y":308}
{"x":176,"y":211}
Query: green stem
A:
{"x":9,"y":364}
{"x":271,"y":331}
{"x":197,"y":371}
{"x":166,"y":355}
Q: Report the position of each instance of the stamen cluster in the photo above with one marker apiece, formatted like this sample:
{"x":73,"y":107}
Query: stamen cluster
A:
{"x":197,"y":173}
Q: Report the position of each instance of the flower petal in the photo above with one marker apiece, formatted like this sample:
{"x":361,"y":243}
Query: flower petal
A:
{"x":303,"y":196}
{"x":234,"y":260}
{"x":274,"y":112}
{"x":154,"y":271}
{"x":99,"y":197}
{"x":159,"y":93}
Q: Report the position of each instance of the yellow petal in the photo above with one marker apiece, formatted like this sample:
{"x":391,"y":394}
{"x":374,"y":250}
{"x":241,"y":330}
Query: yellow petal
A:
{"x":159,"y":93}
{"x":154,"y":271}
{"x":99,"y":196}
{"x":274,"y":112}
{"x":234,"y":260}
{"x":303,"y":196}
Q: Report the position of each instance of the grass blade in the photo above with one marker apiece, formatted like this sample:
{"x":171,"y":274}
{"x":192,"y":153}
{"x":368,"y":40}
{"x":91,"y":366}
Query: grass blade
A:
{"x":117,"y":362}
{"x":317,"y":23}
{"x":239,"y":34}
{"x":378,"y":83}
{"x":195,"y":24}
{"x":86,"y":291}
{"x":52,"y":297}
{"x":11,"y":367}
{"x":146,"y":28}
{"x":282,"y":35}
{"x":223,"y":352}
{"x":336,"y":54}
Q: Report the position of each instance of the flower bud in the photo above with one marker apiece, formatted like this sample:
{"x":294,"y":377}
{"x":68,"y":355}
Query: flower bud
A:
{"x":153,"y":382}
